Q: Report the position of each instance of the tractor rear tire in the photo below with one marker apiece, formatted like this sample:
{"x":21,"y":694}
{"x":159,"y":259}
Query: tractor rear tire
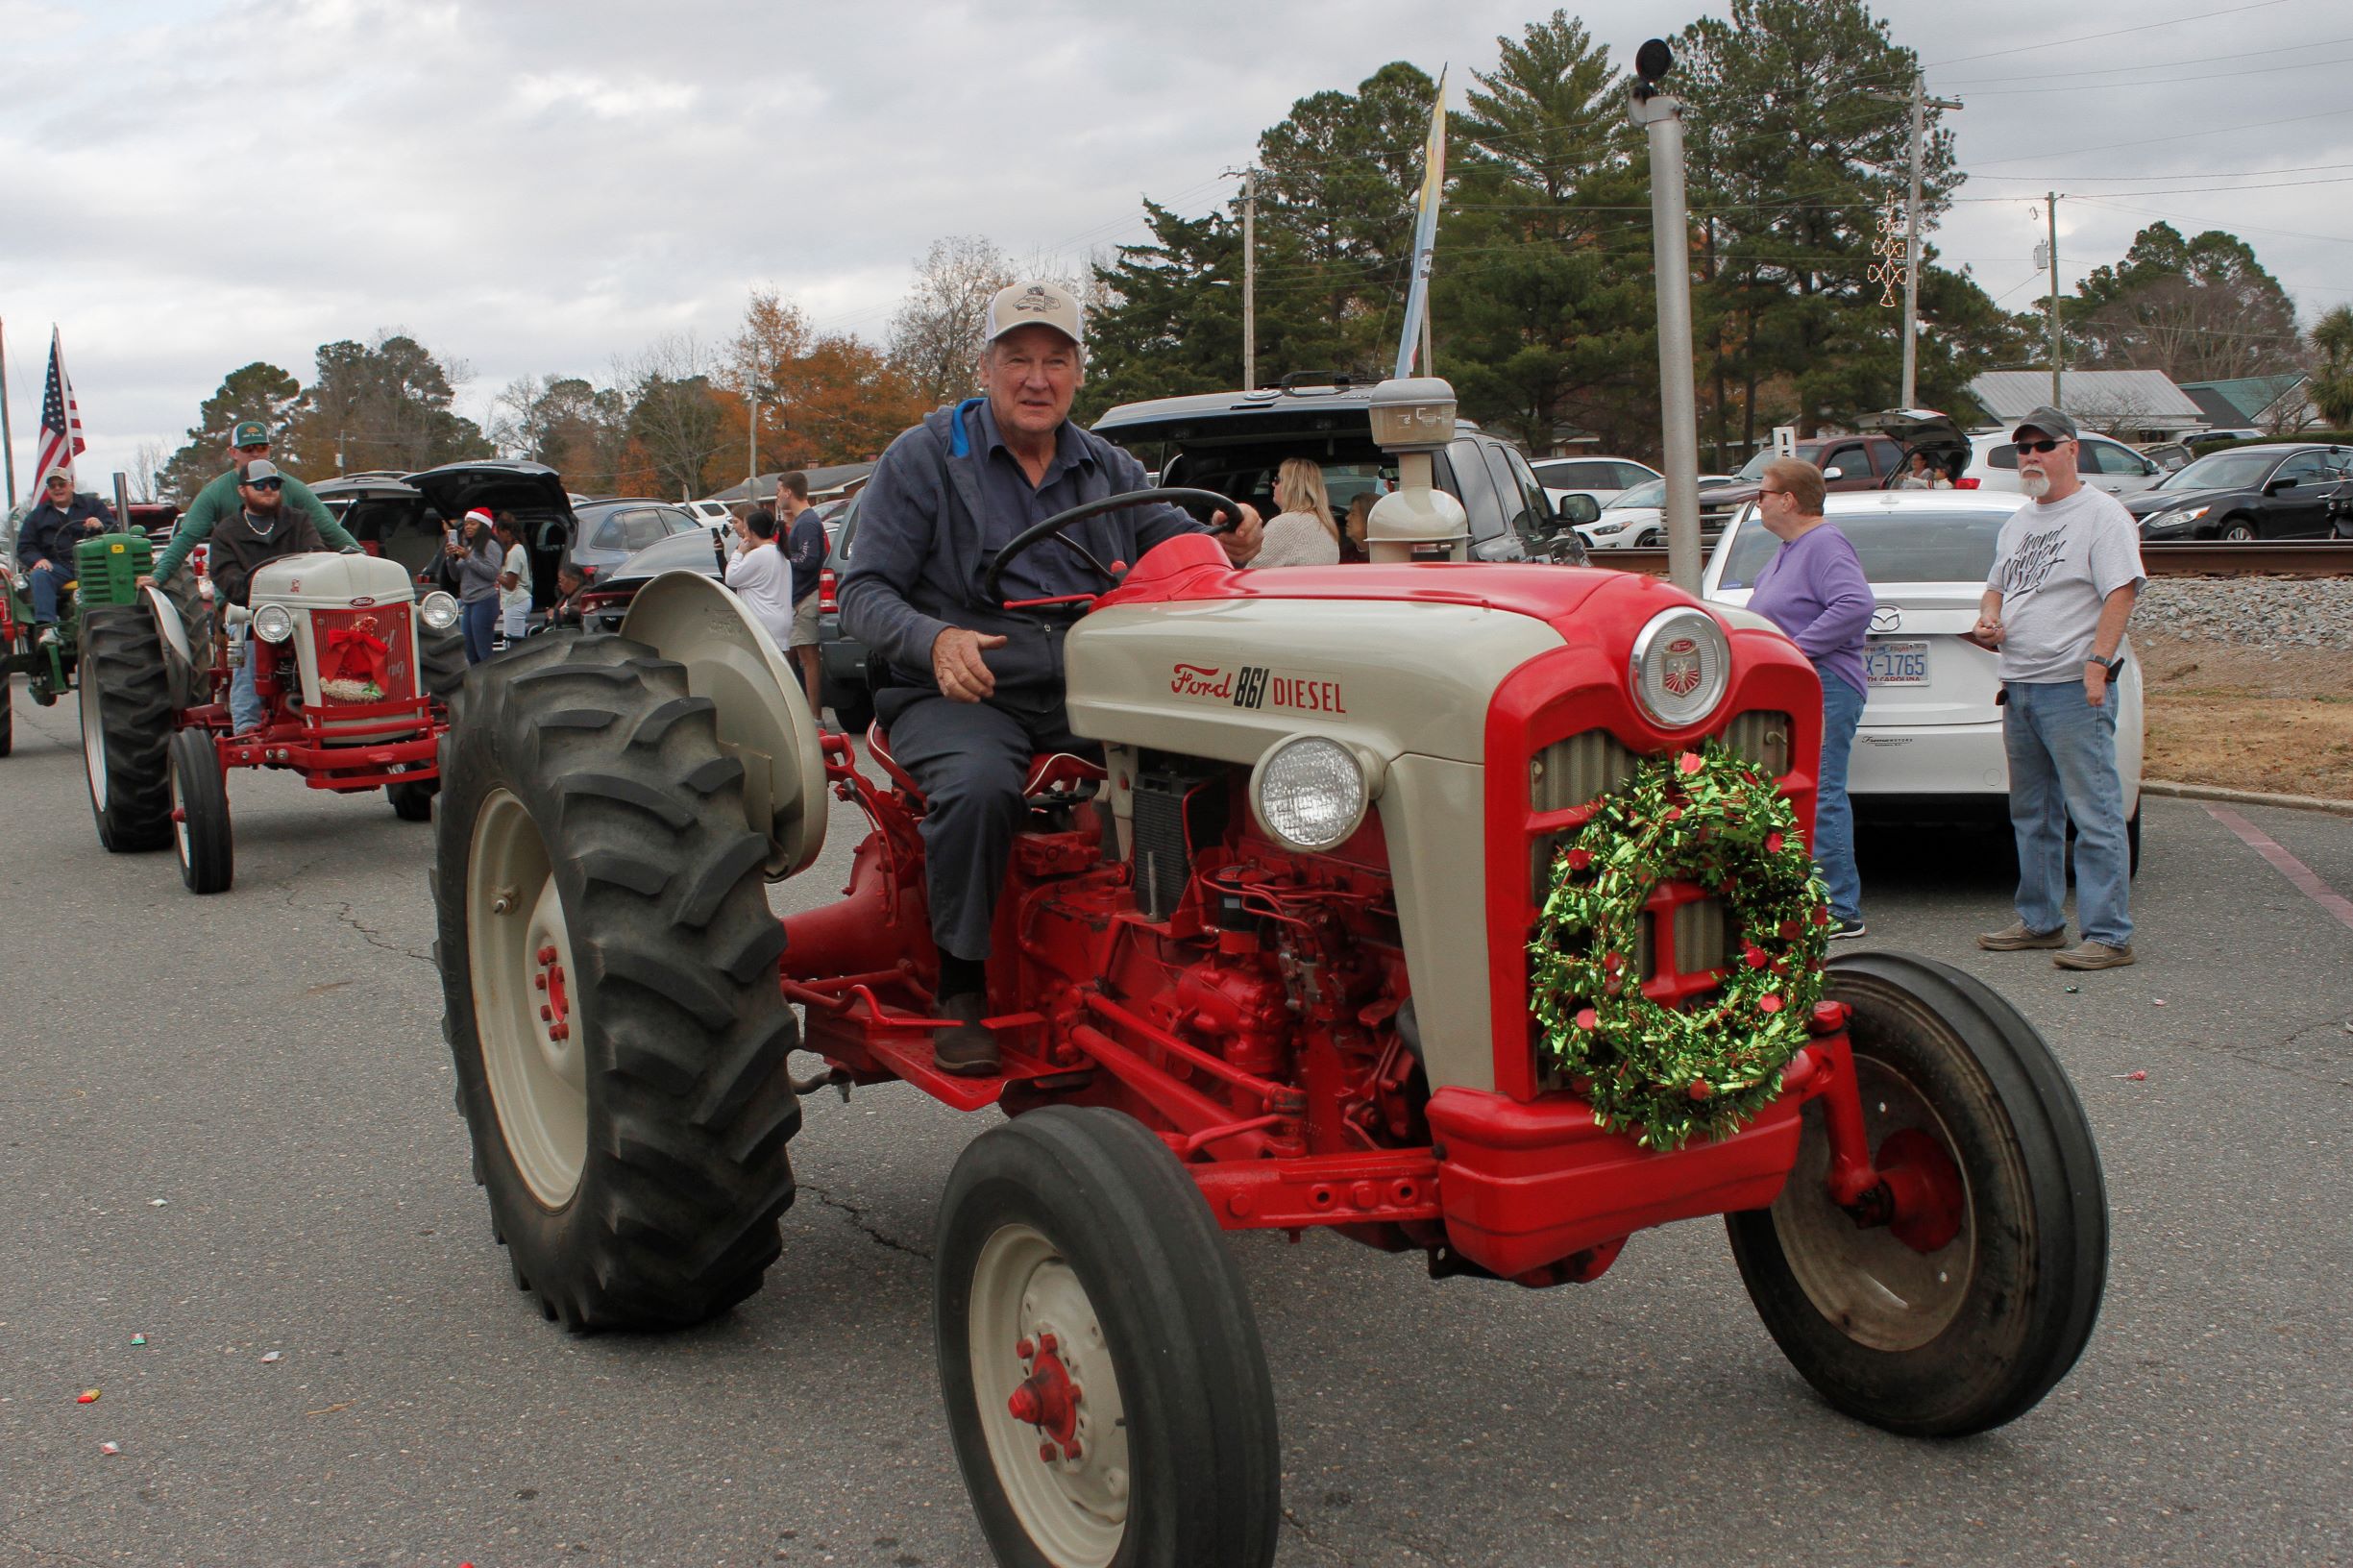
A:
{"x":126,"y":727}
{"x":441,"y":660}
{"x":200,"y":814}
{"x":195,"y":611}
{"x":1080,"y":1224}
{"x":609,"y":965}
{"x":1958,"y":1339}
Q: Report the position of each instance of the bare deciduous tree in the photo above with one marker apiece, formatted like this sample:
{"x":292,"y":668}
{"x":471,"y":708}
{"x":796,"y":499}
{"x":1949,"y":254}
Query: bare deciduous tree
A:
{"x":673,"y":414}
{"x":934,"y":338}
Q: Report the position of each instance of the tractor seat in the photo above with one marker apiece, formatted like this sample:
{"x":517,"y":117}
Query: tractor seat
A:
{"x":1051,"y":775}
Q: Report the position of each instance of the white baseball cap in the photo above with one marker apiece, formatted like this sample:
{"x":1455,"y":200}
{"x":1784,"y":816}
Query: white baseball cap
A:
{"x":1032,"y":302}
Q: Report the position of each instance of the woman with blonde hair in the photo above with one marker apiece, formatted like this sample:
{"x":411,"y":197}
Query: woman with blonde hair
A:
{"x":1302,"y":532}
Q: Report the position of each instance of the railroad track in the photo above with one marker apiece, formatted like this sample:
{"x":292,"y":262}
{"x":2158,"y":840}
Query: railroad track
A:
{"x":2163,"y":558}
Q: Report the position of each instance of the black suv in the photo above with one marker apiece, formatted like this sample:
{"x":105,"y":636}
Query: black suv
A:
{"x":1233,"y":443}
{"x":402,"y":517}
{"x":2255,"y":492}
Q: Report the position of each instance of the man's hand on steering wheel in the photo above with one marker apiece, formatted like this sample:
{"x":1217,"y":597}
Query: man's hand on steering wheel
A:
{"x":957,"y":666}
{"x":1241,"y":539}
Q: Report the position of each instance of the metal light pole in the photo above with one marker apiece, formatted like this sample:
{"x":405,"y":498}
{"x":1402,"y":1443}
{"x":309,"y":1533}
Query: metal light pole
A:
{"x":1250,"y":280}
{"x":1662,"y":117}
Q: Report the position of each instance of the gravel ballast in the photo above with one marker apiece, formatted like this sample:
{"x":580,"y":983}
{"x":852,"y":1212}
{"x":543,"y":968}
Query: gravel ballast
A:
{"x":2276,"y":613}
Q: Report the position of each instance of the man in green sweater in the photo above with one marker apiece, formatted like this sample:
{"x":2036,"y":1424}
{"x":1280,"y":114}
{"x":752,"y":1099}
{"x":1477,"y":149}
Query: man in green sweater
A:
{"x":248,"y":440}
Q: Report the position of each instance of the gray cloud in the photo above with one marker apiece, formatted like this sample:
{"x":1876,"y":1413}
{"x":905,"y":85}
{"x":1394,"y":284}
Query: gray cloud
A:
{"x":540,"y":186}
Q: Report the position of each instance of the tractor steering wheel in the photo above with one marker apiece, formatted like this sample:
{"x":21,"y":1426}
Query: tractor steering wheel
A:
{"x":1053,"y":526}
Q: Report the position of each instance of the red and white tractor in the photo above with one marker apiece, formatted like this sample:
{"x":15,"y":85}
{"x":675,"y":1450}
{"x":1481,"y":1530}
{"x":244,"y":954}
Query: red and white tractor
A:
{"x":1287,"y":955}
{"x":354,"y":672}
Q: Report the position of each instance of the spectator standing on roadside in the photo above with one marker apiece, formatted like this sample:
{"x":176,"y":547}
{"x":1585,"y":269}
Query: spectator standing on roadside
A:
{"x":1352,"y":537}
{"x":762,"y":575}
{"x":804,"y":546}
{"x":45,"y":544}
{"x":2067,"y":572}
{"x":514,"y":578}
{"x":1302,"y":532}
{"x":1814,"y":589}
{"x":473,"y":563}
{"x":248,"y":439}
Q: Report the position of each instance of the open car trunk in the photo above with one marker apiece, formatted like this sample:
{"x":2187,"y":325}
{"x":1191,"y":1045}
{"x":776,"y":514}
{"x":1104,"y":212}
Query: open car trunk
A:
{"x":534,"y":492}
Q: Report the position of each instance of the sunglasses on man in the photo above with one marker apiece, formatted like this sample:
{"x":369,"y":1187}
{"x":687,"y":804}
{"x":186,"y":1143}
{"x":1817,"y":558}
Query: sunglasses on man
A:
{"x":266,"y":484}
{"x":2039,"y":445}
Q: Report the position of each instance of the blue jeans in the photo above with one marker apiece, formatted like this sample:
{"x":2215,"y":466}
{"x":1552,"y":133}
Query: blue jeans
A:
{"x":1842,"y":709}
{"x":480,"y":617}
{"x":2063,"y":764}
{"x":245,"y":709}
{"x":45,"y":587}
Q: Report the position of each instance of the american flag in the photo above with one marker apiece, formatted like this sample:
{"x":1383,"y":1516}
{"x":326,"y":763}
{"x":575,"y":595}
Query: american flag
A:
{"x":60,"y":437}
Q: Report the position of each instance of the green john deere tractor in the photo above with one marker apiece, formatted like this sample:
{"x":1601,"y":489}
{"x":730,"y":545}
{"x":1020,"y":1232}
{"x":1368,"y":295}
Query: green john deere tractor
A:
{"x":106,"y":569}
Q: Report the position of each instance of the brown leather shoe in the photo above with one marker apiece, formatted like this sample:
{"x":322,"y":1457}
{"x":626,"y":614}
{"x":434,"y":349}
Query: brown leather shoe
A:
{"x":2015,"y":937}
{"x":968,"y":1050}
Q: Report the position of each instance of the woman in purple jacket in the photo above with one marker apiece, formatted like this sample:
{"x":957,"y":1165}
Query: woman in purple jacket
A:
{"x":1814,"y":589}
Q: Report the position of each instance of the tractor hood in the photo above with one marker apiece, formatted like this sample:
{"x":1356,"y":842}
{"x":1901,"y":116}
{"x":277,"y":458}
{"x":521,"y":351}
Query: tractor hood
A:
{"x":1192,"y":656}
{"x":455,"y":489}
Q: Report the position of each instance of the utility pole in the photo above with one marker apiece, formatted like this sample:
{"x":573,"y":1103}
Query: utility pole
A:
{"x":1661,"y":119}
{"x":7,"y":442}
{"x":1250,"y":280}
{"x":2050,"y":212}
{"x":1920,"y":102}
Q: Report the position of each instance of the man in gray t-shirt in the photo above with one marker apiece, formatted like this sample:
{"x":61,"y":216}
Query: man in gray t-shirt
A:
{"x":2066,"y":571}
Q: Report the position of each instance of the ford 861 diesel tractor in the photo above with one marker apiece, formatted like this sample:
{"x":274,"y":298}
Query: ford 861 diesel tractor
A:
{"x":1460,"y":908}
{"x":354,"y":673}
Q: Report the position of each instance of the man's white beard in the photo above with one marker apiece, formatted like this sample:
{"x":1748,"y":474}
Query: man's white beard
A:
{"x":2035,"y":485}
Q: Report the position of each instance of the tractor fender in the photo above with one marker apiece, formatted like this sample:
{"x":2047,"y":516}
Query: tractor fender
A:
{"x":763,"y":717}
{"x":183,"y":666}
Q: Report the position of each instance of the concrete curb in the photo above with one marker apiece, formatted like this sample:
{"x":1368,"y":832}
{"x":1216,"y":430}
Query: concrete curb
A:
{"x":2247,"y":798}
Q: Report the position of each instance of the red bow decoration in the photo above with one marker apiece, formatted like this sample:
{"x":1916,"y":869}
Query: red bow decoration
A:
{"x":354,"y":653}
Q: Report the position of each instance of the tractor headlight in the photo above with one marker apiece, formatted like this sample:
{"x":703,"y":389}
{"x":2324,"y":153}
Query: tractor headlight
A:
{"x":1680,"y":669}
{"x":1309,"y":792}
{"x":273,"y":623}
{"x":437,"y":610}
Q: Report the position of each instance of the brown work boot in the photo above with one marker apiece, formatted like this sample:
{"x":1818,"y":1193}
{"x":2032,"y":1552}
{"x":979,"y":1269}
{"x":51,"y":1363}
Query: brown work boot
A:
{"x":2014,"y":935}
{"x":968,"y":1050}
{"x":2093,"y":955}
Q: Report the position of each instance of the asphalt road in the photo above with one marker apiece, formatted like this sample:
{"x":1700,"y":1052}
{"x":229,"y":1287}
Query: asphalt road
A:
{"x":228,"y":1127}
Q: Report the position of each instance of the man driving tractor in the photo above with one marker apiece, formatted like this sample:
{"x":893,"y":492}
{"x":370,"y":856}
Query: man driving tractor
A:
{"x":971,"y":689}
{"x":45,"y":545}
{"x":264,"y":528}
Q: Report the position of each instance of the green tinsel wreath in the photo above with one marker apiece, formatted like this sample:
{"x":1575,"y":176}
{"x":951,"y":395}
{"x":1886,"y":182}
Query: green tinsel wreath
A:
{"x":1667,"y":1074}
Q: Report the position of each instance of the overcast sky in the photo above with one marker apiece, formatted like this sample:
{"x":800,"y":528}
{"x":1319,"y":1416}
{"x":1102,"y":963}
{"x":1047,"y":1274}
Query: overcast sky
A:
{"x":538,"y":185}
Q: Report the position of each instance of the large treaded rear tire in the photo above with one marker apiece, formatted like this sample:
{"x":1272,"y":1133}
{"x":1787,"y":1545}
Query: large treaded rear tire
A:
{"x":441,"y":660}
{"x":1967,"y":1337}
{"x":126,"y":727}
{"x":592,"y":840}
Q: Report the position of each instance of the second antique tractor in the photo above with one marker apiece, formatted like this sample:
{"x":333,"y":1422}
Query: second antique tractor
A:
{"x":1399,"y":901}
{"x":354,"y":673}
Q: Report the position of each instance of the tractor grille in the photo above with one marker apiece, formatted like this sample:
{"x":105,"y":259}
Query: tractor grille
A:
{"x":363,"y":656}
{"x":1584,"y":767}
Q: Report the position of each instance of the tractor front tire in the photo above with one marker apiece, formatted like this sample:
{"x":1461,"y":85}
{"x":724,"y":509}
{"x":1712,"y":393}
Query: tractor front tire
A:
{"x":1973,"y":1325}
{"x":200,"y":814}
{"x":8,"y":709}
{"x":609,"y":965}
{"x":126,"y":727}
{"x":1079,"y":1268}
{"x":413,"y":802}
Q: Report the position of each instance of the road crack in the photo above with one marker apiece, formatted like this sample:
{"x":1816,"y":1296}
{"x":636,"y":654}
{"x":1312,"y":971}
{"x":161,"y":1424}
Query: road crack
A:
{"x":857,"y":1217}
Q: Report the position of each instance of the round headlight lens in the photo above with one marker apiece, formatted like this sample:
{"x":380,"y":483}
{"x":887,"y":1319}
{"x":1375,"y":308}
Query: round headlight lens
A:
{"x":1680,"y":669}
{"x":437,"y":610}
{"x":1311,"y":793}
{"x":273,"y":623}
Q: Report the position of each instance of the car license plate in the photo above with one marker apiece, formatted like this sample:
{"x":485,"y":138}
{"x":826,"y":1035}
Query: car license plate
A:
{"x":1895,"y":664}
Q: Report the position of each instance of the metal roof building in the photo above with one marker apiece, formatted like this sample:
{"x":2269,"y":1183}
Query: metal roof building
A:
{"x":2130,"y":404}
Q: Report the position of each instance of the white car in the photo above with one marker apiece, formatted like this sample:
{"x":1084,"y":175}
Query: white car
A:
{"x":714,"y":513}
{"x":1929,"y":744}
{"x":1637,"y":519}
{"x":1604,"y":478}
{"x":1989,"y":459}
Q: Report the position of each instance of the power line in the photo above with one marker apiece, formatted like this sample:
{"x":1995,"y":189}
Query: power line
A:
{"x":2157,"y":81}
{"x":2184,"y":136}
{"x":2116,"y":32}
{"x":2073,"y":74}
{"x":2187,"y":173}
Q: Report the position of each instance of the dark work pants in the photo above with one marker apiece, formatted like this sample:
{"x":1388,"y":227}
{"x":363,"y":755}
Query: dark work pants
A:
{"x":969,"y":759}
